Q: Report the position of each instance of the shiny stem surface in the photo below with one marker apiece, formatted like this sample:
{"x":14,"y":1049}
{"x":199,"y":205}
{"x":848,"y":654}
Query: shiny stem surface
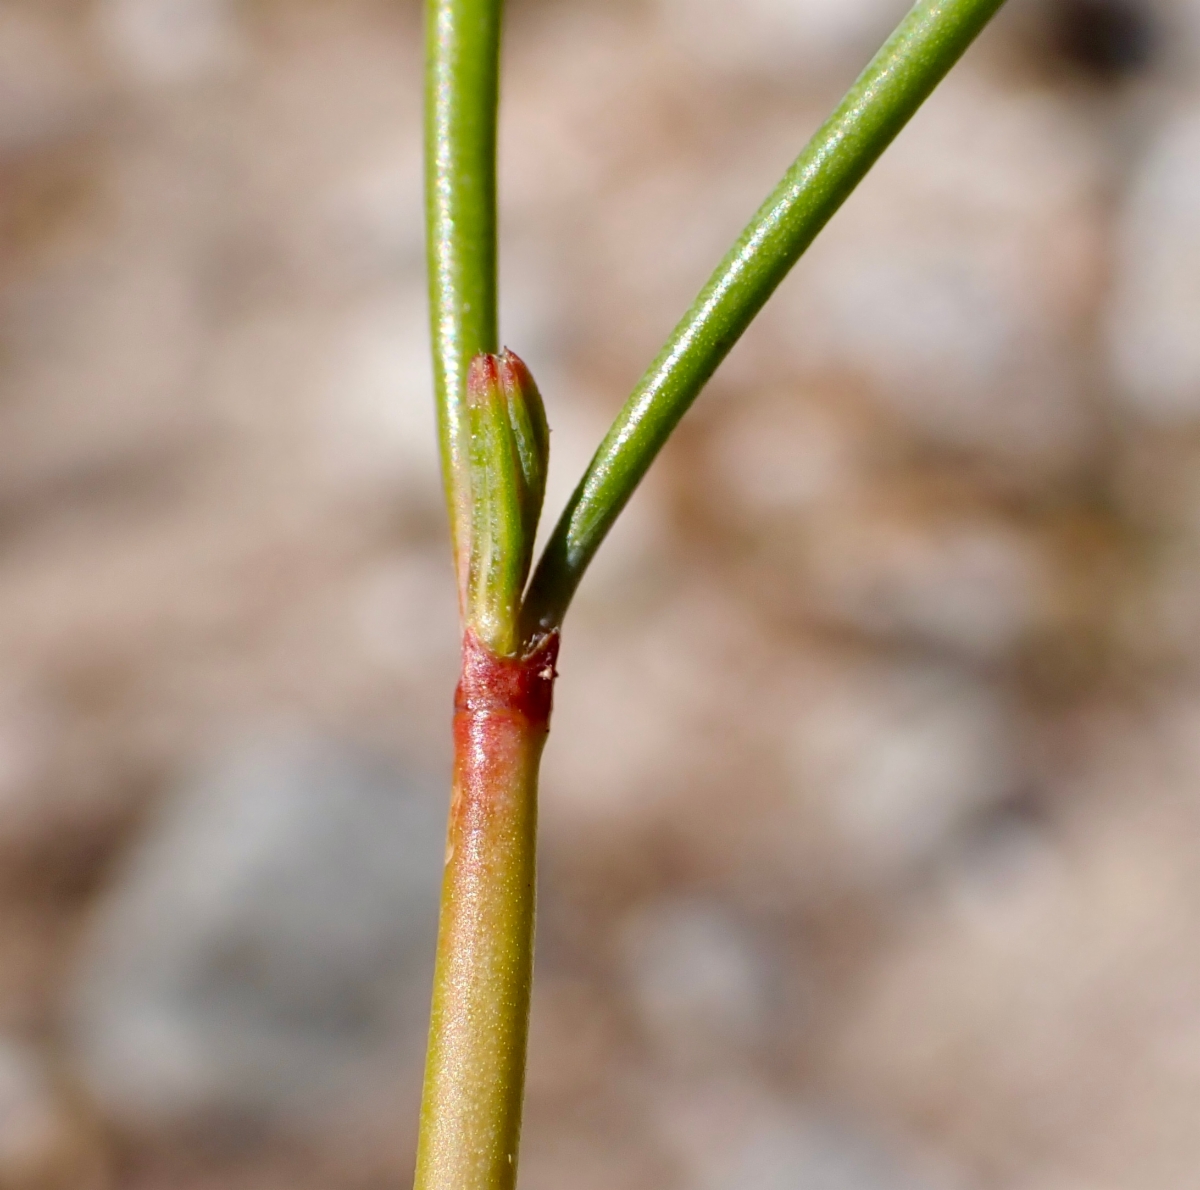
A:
{"x":462,"y":47}
{"x":475,"y":1069}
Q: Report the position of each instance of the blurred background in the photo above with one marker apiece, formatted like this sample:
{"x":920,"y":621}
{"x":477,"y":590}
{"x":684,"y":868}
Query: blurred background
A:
{"x":872,"y":808}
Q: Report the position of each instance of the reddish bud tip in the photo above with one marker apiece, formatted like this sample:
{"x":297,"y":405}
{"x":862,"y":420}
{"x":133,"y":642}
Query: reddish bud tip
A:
{"x":483,"y":380}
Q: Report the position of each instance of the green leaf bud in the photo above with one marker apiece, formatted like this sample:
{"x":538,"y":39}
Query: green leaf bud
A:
{"x":507,"y":452}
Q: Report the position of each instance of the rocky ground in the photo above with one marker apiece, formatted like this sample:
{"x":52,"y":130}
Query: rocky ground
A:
{"x":871,"y":808}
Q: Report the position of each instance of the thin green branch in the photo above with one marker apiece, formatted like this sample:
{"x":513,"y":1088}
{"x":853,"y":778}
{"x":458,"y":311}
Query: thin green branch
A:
{"x":929,"y":40}
{"x":461,"y":94}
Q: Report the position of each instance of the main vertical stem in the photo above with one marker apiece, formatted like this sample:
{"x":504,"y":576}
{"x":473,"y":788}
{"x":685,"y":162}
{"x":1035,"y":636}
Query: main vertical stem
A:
{"x":462,"y":48}
{"x":475,"y":1070}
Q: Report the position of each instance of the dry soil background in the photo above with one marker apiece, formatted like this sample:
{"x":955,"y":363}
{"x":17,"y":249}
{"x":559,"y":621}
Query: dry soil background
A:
{"x":872,"y":808}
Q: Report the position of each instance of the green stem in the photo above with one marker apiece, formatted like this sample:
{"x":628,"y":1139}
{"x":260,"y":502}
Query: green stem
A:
{"x":929,"y":40}
{"x":475,"y":1069}
{"x":461,"y":95}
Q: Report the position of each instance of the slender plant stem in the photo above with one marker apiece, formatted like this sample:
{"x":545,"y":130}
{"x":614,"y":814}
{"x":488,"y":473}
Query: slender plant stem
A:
{"x":475,"y":1070}
{"x":929,"y":40}
{"x":461,"y":95}
{"x":474,"y":1079}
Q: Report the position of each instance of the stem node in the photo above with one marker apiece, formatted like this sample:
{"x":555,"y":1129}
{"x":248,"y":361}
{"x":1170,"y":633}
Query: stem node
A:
{"x":475,"y":1071}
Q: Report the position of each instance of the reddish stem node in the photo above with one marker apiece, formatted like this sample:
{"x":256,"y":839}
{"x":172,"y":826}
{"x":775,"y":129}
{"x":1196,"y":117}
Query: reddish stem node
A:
{"x":475,"y":1074}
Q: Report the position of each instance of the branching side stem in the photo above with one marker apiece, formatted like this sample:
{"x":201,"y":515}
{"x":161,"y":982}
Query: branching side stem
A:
{"x":930,"y":39}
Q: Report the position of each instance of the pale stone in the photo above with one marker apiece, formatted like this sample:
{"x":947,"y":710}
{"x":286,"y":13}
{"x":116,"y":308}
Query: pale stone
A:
{"x":891,"y":759}
{"x":170,"y":41}
{"x":782,"y":35}
{"x":266,"y":949}
{"x":701,"y":983}
{"x":729,"y":1133}
{"x":1156,"y":298}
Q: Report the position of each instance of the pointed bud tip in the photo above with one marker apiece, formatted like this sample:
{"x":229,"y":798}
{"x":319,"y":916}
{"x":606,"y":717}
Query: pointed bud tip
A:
{"x":506,"y":372}
{"x":527,"y":409}
{"x":512,"y":369}
{"x":483,"y":379}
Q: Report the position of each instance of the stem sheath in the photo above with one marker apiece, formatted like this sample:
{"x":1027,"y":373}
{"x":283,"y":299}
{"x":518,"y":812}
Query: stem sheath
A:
{"x":475,"y":1070}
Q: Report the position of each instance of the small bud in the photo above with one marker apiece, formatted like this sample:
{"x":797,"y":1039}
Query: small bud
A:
{"x":507,"y":452}
{"x":527,"y":416}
